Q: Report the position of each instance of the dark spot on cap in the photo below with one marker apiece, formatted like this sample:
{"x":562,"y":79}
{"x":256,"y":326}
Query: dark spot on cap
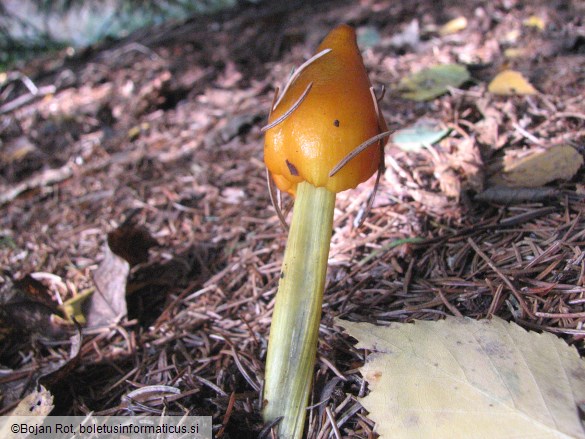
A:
{"x":336,"y":122}
{"x":292,"y":169}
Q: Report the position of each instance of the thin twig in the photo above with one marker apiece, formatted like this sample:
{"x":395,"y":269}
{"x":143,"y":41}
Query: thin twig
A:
{"x":27,"y":98}
{"x":332,"y":422}
{"x":45,"y":178}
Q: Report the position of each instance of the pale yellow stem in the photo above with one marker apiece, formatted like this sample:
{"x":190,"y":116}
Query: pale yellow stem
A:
{"x":297,"y":311}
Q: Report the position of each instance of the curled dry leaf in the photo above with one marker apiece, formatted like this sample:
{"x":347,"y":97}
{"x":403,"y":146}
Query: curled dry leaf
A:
{"x":465,"y":159}
{"x":58,"y":371}
{"x":449,"y":182}
{"x":108,"y":304}
{"x":127,"y":246}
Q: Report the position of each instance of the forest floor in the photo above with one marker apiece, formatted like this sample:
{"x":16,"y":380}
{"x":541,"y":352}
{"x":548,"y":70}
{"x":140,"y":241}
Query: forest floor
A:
{"x":151,"y":147}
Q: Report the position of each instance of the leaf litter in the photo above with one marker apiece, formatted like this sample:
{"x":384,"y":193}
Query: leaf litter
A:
{"x":453,"y":377}
{"x":199,"y":305}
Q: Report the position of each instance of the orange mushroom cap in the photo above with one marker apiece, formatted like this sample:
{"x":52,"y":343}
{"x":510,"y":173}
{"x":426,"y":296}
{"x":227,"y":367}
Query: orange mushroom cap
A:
{"x":336,"y":115}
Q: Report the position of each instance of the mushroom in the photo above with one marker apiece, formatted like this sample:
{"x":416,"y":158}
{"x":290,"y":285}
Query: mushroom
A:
{"x":325,"y":134}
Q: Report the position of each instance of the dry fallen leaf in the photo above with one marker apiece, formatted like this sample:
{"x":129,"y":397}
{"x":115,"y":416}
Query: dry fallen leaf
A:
{"x":127,"y":246}
{"x":453,"y":26}
{"x":108,"y":303}
{"x":535,"y":170}
{"x":487,"y":128}
{"x":511,"y":82}
{"x":37,"y":403}
{"x":432,"y":82}
{"x":31,"y":410}
{"x":461,"y":378}
{"x":425,"y":132}
{"x":16,"y":149}
{"x":535,"y":22}
{"x":517,"y":52}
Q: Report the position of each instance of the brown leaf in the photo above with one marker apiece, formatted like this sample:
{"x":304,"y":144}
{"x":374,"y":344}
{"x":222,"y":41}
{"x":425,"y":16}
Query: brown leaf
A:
{"x":429,"y":199}
{"x":16,"y":149}
{"x":467,"y":161}
{"x":131,"y":243}
{"x":448,"y":181}
{"x":108,"y":304}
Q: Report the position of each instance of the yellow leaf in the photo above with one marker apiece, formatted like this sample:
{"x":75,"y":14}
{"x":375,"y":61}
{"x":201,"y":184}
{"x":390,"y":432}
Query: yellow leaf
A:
{"x":453,"y":26}
{"x":535,"y":22}
{"x":461,"y":378}
{"x":72,"y":307}
{"x":560,"y":162}
{"x":516,"y":52}
{"x":511,"y":37}
{"x":510,"y":82}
